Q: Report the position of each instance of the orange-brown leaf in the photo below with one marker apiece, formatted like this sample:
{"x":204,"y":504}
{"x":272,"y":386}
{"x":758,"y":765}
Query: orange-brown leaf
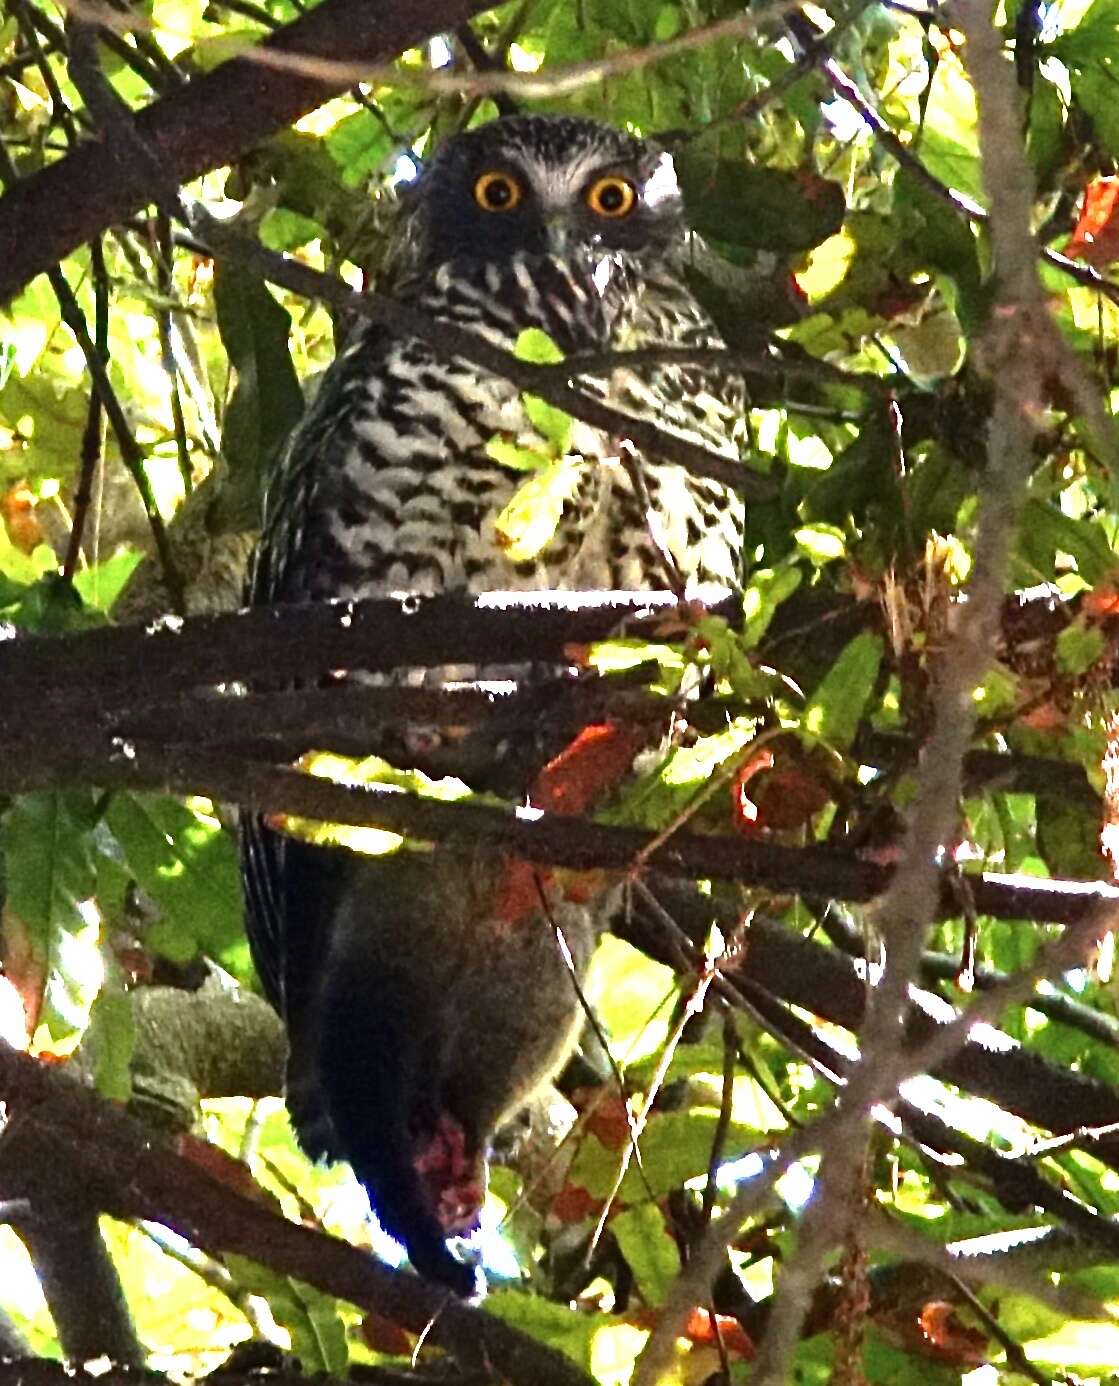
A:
{"x":1096,"y":237}
{"x":382,"y":1335}
{"x":949,"y":1339}
{"x":17,"y":507}
{"x":744,"y":812}
{"x":700,"y":1328}
{"x":609,"y":1123}
{"x":574,"y":1204}
{"x":22,"y":967}
{"x":597,"y":761}
{"x":1102,"y":601}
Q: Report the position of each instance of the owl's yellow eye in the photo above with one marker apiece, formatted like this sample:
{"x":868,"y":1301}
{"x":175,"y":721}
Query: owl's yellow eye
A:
{"x":612,"y":196}
{"x":497,"y":192}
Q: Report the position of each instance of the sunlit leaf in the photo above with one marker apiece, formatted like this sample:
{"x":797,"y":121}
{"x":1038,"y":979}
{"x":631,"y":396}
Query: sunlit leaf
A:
{"x":267,"y":401}
{"x":188,"y":866}
{"x":47,"y":849}
{"x":840,"y":698}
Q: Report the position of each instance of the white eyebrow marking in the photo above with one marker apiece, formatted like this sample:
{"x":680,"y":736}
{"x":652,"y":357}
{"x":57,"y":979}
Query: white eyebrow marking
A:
{"x":661,"y":183}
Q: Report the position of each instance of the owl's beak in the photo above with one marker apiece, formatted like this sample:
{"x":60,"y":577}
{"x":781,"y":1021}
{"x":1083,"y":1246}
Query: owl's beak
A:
{"x":557,"y":234}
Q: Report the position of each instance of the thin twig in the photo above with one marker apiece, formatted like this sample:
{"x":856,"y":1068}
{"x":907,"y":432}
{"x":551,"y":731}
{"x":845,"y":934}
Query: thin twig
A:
{"x":93,"y":433}
{"x":534,"y":86}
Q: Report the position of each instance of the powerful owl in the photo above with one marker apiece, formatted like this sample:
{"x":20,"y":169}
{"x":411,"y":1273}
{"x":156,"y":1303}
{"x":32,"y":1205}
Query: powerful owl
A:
{"x":422,"y":1011}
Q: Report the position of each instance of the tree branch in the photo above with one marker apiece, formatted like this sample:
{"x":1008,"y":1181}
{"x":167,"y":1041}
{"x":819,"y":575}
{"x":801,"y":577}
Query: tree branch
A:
{"x":122,"y":1168}
{"x":1018,"y":340}
{"x":78,"y":1277}
{"x":215,"y":119}
{"x":549,"y":839}
{"x":128,"y":665}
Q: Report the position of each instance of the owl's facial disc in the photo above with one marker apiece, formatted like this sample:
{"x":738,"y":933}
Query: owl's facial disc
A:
{"x":548,"y":187}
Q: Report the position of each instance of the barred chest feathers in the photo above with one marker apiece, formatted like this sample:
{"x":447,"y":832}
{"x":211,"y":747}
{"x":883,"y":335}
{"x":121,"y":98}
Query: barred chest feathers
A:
{"x":426,"y":993}
{"x":412,"y":494}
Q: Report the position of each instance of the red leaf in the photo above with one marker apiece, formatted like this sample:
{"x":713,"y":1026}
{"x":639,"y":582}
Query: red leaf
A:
{"x":700,"y":1326}
{"x":609,"y":1123}
{"x":574,"y":1204}
{"x":948,"y":1339}
{"x":1096,"y":238}
{"x":1102,"y":601}
{"x":744,"y":811}
{"x":599,"y":758}
{"x":382,"y":1335}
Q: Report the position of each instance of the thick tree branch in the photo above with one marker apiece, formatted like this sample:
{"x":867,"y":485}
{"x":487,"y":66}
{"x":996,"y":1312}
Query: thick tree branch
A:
{"x":127,"y":669}
{"x":123,"y":1169}
{"x":213,"y":120}
{"x":128,"y":665}
{"x":550,"y":839}
{"x":78,"y":1277}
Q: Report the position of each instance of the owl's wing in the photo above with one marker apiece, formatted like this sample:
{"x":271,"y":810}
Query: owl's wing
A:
{"x":262,"y":874}
{"x":275,"y":874}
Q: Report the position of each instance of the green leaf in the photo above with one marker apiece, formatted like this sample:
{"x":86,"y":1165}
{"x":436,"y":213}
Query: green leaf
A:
{"x":8,"y":357}
{"x":758,"y":208}
{"x":675,"y":1147}
{"x":48,"y":859}
{"x":112,"y":1038}
{"x":553,"y":1324}
{"x":767,"y":589}
{"x":937,"y":237}
{"x":1047,"y":531}
{"x":516,"y":459}
{"x":821,"y":543}
{"x":836,"y":707}
{"x":267,"y":402}
{"x":1095,"y":90}
{"x":645,"y":1241}
{"x":631,"y":995}
{"x":22,"y":570}
{"x":1095,"y":38}
{"x":536,"y":346}
{"x":1068,"y":838}
{"x":188,"y":866}
{"x":53,"y":606}
{"x":552,"y":423}
{"x":101,"y":585}
{"x":374,"y":842}
{"x":318,"y":1334}
{"x":1079,"y":646}
{"x":283,"y":229}
{"x":359,"y":144}
{"x":727,"y":657}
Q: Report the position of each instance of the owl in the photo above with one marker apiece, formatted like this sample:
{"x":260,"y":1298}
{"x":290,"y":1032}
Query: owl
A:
{"x":422,"y":1012}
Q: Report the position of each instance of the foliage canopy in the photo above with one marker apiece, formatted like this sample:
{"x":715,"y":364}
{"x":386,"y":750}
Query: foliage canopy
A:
{"x":831,"y":160}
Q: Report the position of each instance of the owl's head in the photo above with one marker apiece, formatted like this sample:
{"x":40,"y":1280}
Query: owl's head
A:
{"x":539,"y":185}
